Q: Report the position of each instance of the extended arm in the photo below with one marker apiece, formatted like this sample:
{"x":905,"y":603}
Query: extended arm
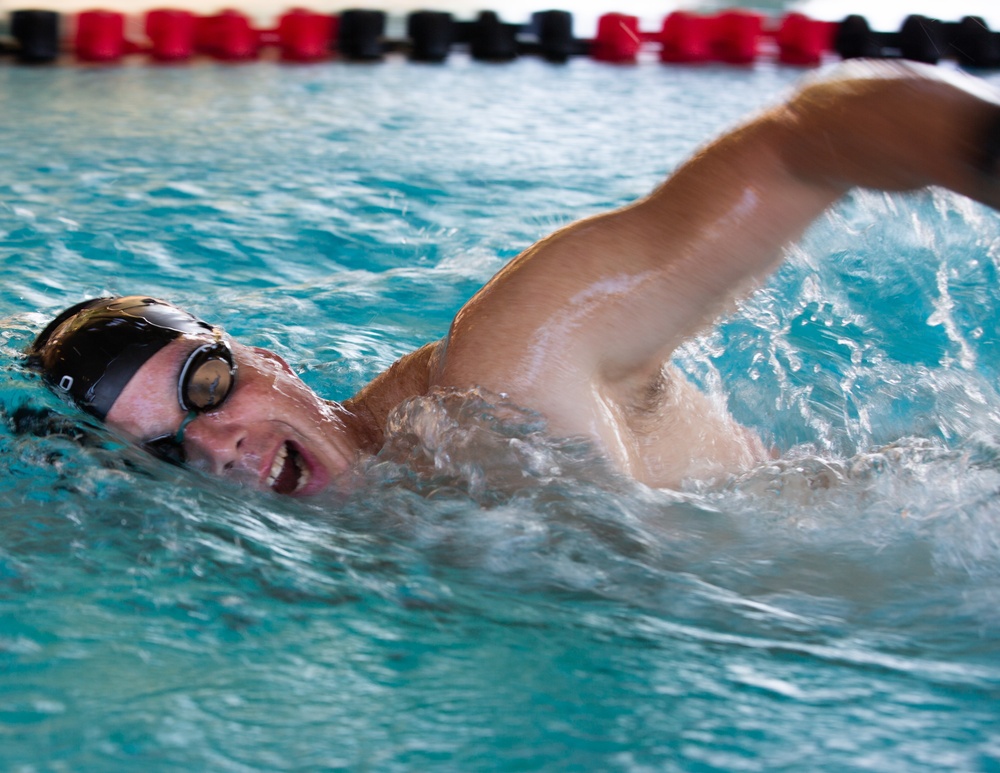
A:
{"x":606,"y":300}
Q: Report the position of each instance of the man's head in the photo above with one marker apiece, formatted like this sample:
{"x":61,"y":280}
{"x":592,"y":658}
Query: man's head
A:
{"x":91,"y":351}
{"x":184,"y":391}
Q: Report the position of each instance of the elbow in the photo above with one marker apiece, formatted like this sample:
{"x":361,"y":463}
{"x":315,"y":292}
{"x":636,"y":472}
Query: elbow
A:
{"x":893,"y":126}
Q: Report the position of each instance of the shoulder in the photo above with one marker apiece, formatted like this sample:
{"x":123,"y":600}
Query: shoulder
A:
{"x":409,"y":376}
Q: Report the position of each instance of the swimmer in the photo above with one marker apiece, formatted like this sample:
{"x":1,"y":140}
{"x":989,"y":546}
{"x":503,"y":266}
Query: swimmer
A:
{"x":579,"y":328}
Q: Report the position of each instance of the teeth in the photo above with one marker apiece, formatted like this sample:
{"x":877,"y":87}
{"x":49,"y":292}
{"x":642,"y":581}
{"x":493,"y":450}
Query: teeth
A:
{"x":281,"y":460}
{"x":304,"y":476}
{"x":277,"y":464}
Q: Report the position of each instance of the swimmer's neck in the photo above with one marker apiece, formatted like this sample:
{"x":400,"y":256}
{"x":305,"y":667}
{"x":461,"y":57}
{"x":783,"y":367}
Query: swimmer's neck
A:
{"x":368,"y":411}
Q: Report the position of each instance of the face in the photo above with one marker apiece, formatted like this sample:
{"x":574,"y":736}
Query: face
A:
{"x":271,"y":432}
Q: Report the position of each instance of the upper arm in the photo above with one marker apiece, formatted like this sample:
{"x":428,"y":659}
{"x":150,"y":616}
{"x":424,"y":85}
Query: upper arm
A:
{"x":611,"y":296}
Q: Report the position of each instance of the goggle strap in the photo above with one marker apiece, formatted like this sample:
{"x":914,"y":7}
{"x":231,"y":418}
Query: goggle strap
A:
{"x":191,"y":416}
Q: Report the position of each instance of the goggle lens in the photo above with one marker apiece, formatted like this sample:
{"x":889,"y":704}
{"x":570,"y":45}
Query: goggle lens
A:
{"x":207,"y":378}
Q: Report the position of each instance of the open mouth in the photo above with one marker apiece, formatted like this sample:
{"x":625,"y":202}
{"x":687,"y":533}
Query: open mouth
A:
{"x":289,"y":473}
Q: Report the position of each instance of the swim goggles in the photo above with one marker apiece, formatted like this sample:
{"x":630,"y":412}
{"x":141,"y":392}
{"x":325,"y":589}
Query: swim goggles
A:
{"x":206,"y":380}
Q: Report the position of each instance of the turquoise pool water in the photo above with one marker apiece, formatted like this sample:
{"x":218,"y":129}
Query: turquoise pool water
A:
{"x":836,"y":609}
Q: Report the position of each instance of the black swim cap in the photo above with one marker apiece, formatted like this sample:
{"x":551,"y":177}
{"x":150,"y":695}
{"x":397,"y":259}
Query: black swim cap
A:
{"x":92,"y":350}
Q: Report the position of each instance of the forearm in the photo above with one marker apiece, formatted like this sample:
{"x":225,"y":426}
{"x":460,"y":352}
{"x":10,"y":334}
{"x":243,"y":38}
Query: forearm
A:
{"x":895,"y":126}
{"x":717,"y":226}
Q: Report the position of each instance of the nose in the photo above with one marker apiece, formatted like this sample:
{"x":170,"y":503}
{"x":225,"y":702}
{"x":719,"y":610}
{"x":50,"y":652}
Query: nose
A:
{"x":213,"y":442}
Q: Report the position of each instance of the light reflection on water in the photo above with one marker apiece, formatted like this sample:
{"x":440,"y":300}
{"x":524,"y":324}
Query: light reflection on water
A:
{"x":486,"y":597}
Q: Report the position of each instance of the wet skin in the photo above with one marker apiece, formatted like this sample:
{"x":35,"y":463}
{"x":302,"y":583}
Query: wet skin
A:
{"x":270,"y":415}
{"x":581,"y":326}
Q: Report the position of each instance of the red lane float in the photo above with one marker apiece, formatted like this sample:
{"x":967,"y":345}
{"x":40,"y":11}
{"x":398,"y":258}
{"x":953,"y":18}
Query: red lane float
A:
{"x":305,"y":36}
{"x":737,"y":37}
{"x":618,"y":39}
{"x":227,"y":36}
{"x":732,"y":37}
{"x":171,"y":34}
{"x":100,"y":36}
{"x":803,"y":41}
{"x":686,"y":38}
